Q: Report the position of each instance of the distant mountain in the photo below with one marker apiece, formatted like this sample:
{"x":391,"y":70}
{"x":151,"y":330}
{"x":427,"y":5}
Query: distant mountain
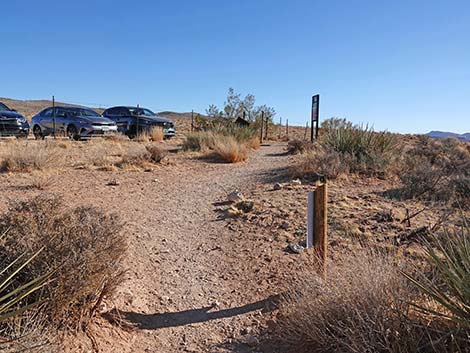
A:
{"x":442,"y":134}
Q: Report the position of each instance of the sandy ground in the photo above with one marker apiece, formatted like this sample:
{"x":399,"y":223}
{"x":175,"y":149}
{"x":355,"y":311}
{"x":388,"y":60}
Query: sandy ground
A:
{"x":192,"y":284}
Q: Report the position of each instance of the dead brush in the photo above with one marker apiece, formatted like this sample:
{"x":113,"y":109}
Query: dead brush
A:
{"x":83,"y":245}
{"x":228,"y":149}
{"x":156,"y":134}
{"x":319,"y":161}
{"x":25,"y":157}
{"x":362,"y":306}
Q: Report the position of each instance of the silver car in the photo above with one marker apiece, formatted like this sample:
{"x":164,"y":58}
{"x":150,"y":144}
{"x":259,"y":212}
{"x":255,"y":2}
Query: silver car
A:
{"x":74,"y":122}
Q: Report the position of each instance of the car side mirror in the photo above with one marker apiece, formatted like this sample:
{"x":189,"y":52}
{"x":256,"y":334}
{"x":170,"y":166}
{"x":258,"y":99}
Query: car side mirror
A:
{"x":14,"y":110}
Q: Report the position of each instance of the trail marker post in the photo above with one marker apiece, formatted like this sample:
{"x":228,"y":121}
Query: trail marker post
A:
{"x":317,"y":222}
{"x":315,"y":116}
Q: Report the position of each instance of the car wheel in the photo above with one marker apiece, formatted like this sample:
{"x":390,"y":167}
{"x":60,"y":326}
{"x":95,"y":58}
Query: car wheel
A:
{"x":72,"y":133}
{"x":38,"y":135}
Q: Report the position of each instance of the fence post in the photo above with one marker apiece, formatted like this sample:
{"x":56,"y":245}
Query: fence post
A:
{"x":192,"y":120}
{"x":262,"y":123}
{"x":317,"y":223}
{"x":266,"y":129}
{"x":53,"y":116}
{"x":306,"y":130}
{"x":287,"y":128}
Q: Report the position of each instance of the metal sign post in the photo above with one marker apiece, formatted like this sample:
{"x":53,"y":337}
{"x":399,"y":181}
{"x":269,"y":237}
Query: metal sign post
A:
{"x":315,"y":117}
{"x":53,"y":116}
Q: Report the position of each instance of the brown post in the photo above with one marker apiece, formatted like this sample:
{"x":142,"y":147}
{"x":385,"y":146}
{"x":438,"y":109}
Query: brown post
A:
{"x":320,"y":241}
{"x":287,"y":127}
{"x":262,"y":123}
{"x":266,"y":129}
{"x":192,"y":120}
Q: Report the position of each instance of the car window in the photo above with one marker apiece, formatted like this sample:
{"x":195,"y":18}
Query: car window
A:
{"x":3,"y":107}
{"x":111,"y":111}
{"x":60,"y":112}
{"x":47,"y":112}
{"x":124,"y":112}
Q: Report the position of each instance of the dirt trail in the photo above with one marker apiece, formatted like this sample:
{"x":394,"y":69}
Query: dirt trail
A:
{"x":189,"y":288}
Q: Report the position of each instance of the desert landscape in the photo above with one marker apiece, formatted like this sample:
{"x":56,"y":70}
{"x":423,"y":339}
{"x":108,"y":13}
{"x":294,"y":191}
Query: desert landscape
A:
{"x":197,"y":243}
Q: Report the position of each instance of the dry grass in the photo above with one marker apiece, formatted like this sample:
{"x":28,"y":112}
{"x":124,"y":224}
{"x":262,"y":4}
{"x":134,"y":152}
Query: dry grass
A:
{"x":228,"y":149}
{"x":364,"y":306}
{"x":27,"y":157}
{"x":156,"y":134}
{"x":437,"y":170}
{"x":319,"y":161}
{"x":253,"y":143}
{"x":83,"y":245}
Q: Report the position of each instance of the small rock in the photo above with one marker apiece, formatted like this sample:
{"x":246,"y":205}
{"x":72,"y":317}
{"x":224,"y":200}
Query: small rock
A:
{"x":155,"y":180}
{"x":285,"y":225}
{"x":296,"y":182}
{"x":252,"y":341}
{"x":278,"y":186}
{"x":247,"y":330}
{"x":235,"y":196}
{"x":113,"y":182}
{"x":296,"y":248}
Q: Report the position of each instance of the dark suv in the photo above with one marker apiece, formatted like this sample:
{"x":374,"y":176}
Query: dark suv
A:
{"x":134,"y":120}
{"x":12,"y":123}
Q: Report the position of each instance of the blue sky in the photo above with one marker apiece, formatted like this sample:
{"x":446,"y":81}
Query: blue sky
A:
{"x":399,"y":65}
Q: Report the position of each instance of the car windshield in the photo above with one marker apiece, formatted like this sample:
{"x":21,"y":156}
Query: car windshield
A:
{"x":82,"y":112}
{"x":3,"y":107}
{"x":141,"y":111}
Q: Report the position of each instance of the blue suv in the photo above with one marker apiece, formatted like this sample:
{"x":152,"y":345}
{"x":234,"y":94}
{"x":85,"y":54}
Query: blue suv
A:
{"x":132,"y":121}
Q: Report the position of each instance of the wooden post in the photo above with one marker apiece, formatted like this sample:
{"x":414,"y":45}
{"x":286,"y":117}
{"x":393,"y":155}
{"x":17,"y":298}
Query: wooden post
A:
{"x":287,"y":128}
{"x":261,"y":127}
{"x":320,"y":241}
{"x":266,"y":129}
{"x":306,"y":130}
{"x":192,"y":120}
{"x":280,"y":126}
{"x":317,"y":223}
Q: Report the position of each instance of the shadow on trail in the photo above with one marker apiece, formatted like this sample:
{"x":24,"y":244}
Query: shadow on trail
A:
{"x":186,"y":317}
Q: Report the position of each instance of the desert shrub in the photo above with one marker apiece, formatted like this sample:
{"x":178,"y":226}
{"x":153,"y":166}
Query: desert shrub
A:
{"x":253,"y":143}
{"x":368,"y":151}
{"x":27,"y":157}
{"x":320,"y":161}
{"x":449,"y":288}
{"x":344,"y":147}
{"x":437,"y":170}
{"x":155,"y":154}
{"x":228,"y":149}
{"x":83,"y":246}
{"x":298,"y":146}
{"x":199,"y":141}
{"x":363,"y":306}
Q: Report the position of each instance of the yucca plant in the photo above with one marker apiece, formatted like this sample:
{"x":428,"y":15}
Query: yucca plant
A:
{"x":450,"y":288}
{"x":12,"y":300}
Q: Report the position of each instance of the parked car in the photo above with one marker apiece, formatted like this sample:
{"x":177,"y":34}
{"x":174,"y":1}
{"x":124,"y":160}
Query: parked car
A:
{"x":131,"y":120}
{"x":12,"y":123}
{"x":74,"y":122}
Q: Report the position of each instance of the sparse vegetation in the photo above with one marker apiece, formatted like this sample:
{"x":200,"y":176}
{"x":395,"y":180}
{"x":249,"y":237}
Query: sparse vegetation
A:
{"x":83,"y":247}
{"x":27,"y":157}
{"x":449,"y":287}
{"x":228,"y":149}
{"x":347,"y":148}
{"x":437,"y":170}
{"x":363,"y":306}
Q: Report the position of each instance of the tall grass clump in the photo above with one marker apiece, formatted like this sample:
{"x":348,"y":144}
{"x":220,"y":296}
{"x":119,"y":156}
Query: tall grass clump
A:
{"x":448,"y":289}
{"x":84,"y":248}
{"x":229,"y":143}
{"x":362,"y":306}
{"x":27,"y":157}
